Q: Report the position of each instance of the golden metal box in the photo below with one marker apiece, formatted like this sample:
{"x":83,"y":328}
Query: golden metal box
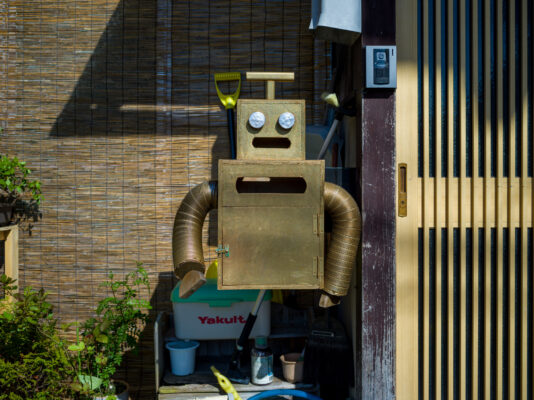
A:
{"x":271,"y":141}
{"x":271,"y":233}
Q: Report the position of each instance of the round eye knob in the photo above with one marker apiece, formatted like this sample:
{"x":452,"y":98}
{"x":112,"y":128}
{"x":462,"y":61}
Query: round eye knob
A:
{"x":256,"y":120}
{"x":286,"y":120}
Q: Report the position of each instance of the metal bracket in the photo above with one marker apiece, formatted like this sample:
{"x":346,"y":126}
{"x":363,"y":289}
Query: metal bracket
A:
{"x":222,"y":249}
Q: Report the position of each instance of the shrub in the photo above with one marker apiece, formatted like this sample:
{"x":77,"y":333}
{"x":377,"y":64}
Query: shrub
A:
{"x":33,"y":362}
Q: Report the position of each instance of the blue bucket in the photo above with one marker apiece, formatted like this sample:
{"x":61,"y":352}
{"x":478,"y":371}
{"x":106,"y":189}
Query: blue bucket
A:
{"x":182,"y":356}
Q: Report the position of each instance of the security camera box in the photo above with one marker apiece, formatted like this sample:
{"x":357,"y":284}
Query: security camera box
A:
{"x":210,"y":314}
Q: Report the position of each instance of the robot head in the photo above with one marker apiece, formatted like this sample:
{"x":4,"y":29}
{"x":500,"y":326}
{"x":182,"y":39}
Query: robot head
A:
{"x":269,"y":129}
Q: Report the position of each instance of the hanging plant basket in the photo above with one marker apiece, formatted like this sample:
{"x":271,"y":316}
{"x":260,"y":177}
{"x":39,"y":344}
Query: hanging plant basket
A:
{"x":19,"y":194}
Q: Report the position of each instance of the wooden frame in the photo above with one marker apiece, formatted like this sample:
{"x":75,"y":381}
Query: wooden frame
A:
{"x":485,"y":312}
{"x":10,"y":234}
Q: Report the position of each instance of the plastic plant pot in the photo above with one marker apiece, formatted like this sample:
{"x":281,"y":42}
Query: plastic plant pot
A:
{"x":292,"y":367}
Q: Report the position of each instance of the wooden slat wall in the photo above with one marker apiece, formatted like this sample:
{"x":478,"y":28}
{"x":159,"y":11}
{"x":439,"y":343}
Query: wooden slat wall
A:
{"x":464,"y":261}
{"x":112,"y":104}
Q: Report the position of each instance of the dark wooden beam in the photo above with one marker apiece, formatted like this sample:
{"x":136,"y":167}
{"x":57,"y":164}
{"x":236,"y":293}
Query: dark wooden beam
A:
{"x":378,"y":185}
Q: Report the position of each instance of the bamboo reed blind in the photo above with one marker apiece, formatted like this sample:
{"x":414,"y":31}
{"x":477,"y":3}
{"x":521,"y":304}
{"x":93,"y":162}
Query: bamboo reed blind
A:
{"x":113,"y":106}
{"x":465,"y":130}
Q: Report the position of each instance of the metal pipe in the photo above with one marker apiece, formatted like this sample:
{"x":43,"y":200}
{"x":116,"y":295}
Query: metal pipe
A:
{"x":187,"y":251}
{"x":344,"y":241}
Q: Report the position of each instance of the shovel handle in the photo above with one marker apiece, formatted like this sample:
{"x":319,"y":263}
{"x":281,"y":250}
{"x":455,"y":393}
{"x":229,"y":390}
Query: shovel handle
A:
{"x":231,"y":135}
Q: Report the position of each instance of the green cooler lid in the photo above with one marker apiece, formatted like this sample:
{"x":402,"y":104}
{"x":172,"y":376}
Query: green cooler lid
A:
{"x":208,"y":293}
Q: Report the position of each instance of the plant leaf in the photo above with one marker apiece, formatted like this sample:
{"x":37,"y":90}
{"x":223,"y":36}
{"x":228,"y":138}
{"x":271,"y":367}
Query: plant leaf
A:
{"x":90,"y":382}
{"x":102,"y":339}
{"x":77,"y":346}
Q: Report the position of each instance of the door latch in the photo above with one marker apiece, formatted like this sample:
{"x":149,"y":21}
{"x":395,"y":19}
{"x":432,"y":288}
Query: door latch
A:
{"x":223,"y":250}
{"x":403,"y":193}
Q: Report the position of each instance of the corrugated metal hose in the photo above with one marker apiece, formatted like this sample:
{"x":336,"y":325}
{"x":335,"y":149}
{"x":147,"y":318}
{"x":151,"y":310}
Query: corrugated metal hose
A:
{"x":343,"y":246}
{"x":346,"y":229}
{"x":187,"y":251}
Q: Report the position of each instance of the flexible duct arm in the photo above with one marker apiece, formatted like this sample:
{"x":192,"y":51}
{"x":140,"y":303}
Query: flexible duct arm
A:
{"x":343,"y":246}
{"x":187,"y":254}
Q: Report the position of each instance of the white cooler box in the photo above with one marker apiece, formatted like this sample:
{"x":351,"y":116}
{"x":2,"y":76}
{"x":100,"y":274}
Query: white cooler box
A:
{"x":210,"y":314}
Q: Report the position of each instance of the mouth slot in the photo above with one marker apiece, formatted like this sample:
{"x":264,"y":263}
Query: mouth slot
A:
{"x":284,"y":185}
{"x":271,"y":143}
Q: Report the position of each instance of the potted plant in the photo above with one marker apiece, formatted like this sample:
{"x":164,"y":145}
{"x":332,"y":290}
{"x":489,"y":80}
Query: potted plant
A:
{"x":102,"y":340}
{"x":19,"y":195}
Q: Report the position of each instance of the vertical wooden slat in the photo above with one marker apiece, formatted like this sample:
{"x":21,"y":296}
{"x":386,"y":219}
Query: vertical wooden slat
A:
{"x":438,"y":206}
{"x":475,"y":205}
{"x":451,"y":203}
{"x":426,"y":198}
{"x":407,"y":253}
{"x":488,"y":204}
{"x":512,"y":202}
{"x":530,"y":79}
{"x":499,"y":212}
{"x":524,"y":202}
{"x":463,"y":187}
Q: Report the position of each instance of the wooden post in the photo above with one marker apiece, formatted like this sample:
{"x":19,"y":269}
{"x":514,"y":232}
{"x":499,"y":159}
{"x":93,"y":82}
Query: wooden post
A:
{"x":377,"y":166}
{"x":10,"y":234}
{"x":371,"y":150}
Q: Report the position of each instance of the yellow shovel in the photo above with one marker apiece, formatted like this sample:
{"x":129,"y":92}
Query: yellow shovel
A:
{"x":229,"y":101}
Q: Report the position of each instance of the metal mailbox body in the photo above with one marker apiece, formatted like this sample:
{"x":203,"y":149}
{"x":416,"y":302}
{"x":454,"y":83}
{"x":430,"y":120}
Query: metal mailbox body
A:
{"x":271,"y":217}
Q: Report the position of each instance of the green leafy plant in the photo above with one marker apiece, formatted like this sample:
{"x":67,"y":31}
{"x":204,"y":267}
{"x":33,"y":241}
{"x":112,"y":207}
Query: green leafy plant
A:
{"x":36,"y":363}
{"x":33,"y":360}
{"x":101,"y":341}
{"x":18,"y":190}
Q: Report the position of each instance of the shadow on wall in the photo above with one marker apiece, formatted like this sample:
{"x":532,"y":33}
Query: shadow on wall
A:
{"x":151,"y":72}
{"x":138,"y":366}
{"x":127,"y":86}
{"x":148,"y":86}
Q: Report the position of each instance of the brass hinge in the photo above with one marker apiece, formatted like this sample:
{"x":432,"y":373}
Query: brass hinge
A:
{"x":223,"y":250}
{"x":316,"y":262}
{"x":317,"y":224}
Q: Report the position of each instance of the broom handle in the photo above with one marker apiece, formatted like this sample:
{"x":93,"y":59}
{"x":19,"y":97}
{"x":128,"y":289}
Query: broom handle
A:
{"x":328,"y":139}
{"x":231,"y":123}
{"x":251,"y":319}
{"x":245,"y":333}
